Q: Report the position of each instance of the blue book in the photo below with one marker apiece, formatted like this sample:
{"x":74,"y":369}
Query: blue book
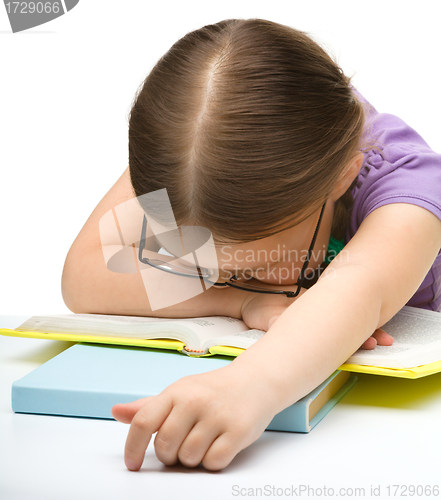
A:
{"x":86,"y":380}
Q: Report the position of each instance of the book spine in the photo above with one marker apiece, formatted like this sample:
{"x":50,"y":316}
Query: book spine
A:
{"x":195,"y":353}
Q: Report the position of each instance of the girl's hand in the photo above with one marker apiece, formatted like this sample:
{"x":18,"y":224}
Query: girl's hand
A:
{"x":260,"y":311}
{"x":379,"y":337}
{"x":206,"y":418}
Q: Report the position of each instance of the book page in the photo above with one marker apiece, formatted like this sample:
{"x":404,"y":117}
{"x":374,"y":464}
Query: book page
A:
{"x":192,"y":331}
{"x":95,"y":324}
{"x":417,"y":341}
{"x":240,"y":339}
{"x":210,"y":329}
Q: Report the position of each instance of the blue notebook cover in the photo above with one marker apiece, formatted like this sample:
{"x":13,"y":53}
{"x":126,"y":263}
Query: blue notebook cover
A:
{"x":86,"y":380}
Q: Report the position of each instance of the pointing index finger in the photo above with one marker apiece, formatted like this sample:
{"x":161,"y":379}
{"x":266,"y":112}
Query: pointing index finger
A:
{"x":145,"y":423}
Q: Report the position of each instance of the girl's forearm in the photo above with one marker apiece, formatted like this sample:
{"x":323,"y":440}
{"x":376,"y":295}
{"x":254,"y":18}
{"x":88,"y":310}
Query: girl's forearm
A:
{"x":315,"y":335}
{"x":89,"y":287}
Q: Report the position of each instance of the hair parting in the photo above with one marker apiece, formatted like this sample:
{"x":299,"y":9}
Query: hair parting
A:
{"x":248,"y":124}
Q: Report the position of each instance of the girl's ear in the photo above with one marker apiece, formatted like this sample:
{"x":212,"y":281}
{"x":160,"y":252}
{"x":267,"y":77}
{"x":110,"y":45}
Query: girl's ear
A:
{"x":348,"y":175}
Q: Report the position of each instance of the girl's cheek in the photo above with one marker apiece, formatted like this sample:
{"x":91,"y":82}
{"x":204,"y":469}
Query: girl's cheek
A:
{"x":284,"y":273}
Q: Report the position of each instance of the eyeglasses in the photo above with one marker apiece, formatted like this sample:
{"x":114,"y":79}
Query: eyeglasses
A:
{"x":304,"y":281}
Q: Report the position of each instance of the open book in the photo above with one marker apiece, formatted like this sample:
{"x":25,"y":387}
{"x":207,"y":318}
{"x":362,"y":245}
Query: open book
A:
{"x":416,"y":350}
{"x":194,"y":336}
{"x":416,"y":347}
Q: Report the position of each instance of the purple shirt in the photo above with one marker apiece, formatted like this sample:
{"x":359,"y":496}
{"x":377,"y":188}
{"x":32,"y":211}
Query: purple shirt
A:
{"x":403,"y":169}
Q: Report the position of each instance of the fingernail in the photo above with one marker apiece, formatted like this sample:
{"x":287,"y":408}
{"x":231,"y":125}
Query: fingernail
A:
{"x":131,"y":465}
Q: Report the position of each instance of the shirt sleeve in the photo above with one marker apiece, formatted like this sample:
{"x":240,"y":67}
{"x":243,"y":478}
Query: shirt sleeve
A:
{"x":399,"y":167}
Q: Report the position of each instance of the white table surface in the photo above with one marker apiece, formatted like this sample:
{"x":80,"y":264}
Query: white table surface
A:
{"x":385,"y":431}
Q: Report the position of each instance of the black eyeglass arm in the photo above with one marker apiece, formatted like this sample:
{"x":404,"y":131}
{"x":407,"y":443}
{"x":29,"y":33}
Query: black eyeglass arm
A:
{"x":288,"y":293}
{"x":311,"y":246}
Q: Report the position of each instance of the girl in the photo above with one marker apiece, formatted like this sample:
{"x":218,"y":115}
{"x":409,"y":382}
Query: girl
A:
{"x":257,"y":135}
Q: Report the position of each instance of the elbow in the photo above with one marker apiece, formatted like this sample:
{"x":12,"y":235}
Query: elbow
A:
{"x":69,"y":288}
{"x":70,"y":303}
{"x":69,"y":297}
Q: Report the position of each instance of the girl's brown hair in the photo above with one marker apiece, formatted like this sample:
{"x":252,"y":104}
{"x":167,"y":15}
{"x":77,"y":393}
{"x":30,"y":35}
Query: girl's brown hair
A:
{"x":248,"y":124}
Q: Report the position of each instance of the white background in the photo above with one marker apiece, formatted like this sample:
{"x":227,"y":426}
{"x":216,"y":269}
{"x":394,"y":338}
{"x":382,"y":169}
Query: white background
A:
{"x":66,"y":88}
{"x":65,"y":93}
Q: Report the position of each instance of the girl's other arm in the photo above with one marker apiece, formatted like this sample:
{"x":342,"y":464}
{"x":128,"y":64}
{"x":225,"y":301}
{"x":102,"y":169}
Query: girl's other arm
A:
{"x":369,"y":282}
{"x":89,"y":287}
